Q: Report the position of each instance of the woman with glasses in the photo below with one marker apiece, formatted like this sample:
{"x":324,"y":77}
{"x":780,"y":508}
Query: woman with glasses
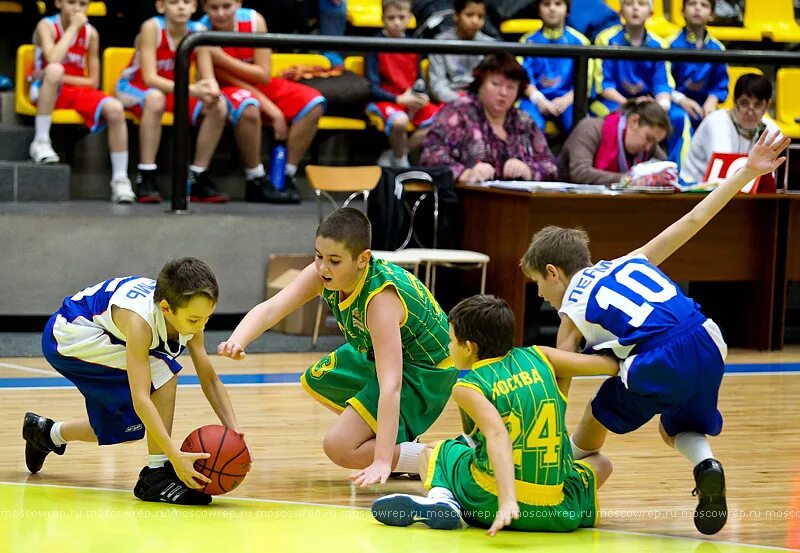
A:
{"x":733,"y":131}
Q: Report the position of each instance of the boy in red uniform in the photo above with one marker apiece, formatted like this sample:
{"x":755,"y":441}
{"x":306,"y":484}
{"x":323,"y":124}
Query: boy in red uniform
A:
{"x":146,"y":89}
{"x":397,"y":88}
{"x":292,"y":109}
{"x":66,"y":74}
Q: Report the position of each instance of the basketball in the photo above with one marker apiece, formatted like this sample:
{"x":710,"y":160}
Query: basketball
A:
{"x":229,"y":461}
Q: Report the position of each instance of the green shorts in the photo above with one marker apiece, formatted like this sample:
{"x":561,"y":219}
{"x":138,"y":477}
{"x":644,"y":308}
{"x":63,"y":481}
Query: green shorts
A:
{"x":451,"y":467}
{"x":348,"y":377}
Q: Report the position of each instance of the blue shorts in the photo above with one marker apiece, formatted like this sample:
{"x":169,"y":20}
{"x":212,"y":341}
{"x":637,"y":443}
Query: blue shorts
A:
{"x":678,"y":378}
{"x":106,"y":390}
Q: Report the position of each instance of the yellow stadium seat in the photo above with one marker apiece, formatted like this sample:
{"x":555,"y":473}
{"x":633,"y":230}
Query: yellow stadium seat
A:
{"x":775,"y":18}
{"x":520,"y":26}
{"x":22,"y":101}
{"x":96,"y":9}
{"x":367,"y":13}
{"x":751,"y":32}
{"x":10,"y":7}
{"x":658,"y":23}
{"x":282,"y":62}
{"x":787,"y":110}
{"x":114,"y":61}
{"x":354,"y":64}
{"x":734,"y":73}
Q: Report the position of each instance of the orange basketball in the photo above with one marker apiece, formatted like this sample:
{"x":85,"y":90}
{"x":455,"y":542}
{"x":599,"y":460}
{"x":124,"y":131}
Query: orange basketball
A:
{"x":229,"y":461}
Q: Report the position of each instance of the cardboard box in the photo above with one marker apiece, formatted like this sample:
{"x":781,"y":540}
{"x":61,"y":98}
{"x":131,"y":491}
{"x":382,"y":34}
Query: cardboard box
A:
{"x":281,"y":270}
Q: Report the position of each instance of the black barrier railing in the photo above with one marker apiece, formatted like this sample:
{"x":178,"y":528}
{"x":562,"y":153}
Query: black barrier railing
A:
{"x":581,"y":55}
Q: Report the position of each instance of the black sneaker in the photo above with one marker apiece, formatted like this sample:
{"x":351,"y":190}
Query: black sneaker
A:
{"x":36,"y":431}
{"x":401,"y":509}
{"x":291,"y":189}
{"x":163,"y":485}
{"x":203,"y":190}
{"x":712,"y":510}
{"x":147,"y":187}
{"x":261,"y":190}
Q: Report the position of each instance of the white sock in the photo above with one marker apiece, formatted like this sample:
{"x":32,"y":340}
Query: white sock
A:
{"x":156,"y":461}
{"x":291,"y":169}
{"x":119,"y":165}
{"x":197,"y":169}
{"x":55,"y":434}
{"x":41,"y":127}
{"x":147,"y":167}
{"x":255,"y":172}
{"x":579,"y":453}
{"x":402,"y":159}
{"x":443,"y":494}
{"x":694,"y":447}
{"x":409,"y":457}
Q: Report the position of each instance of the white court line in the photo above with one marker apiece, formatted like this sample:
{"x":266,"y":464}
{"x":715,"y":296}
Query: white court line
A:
{"x":27,"y":369}
{"x":352,"y":508}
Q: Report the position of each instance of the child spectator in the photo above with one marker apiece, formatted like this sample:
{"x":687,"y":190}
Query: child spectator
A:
{"x":551,"y":92}
{"x":699,"y":86}
{"x":619,"y":80}
{"x":146,"y":90}
{"x":293,"y":109}
{"x":397,"y":88}
{"x":449,"y":75}
{"x":66,"y":75}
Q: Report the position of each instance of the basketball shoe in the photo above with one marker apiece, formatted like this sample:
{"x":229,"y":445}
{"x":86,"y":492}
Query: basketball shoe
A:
{"x":712,"y":510}
{"x":163,"y":485}
{"x":38,"y":444}
{"x":401,"y":509}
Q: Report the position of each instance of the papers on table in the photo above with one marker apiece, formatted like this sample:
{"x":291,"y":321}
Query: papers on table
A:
{"x":538,"y":186}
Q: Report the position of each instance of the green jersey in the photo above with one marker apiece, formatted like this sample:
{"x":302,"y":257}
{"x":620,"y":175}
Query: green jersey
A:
{"x":424,"y":330}
{"x":522,"y":386}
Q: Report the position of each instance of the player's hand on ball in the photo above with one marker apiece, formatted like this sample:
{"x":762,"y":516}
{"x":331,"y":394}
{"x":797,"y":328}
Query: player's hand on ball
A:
{"x":376,"y":473}
{"x":232,"y":350}
{"x":184,"y":469}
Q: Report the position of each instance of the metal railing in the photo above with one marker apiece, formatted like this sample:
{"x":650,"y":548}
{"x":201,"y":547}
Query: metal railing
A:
{"x":580,"y":54}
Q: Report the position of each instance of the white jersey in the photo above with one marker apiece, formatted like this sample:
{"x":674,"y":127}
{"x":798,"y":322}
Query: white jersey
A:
{"x":626,"y":302}
{"x":85,"y":330}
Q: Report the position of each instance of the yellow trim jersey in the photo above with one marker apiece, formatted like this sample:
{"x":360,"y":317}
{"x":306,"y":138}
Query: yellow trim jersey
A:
{"x":522,"y":386}
{"x":424,"y":329}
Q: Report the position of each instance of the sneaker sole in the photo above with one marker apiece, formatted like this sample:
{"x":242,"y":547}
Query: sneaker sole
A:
{"x":711,"y":513}
{"x":212,"y":200}
{"x":401,"y":510}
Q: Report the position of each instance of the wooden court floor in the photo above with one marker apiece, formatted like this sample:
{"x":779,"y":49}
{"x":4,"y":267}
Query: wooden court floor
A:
{"x":294,"y":499}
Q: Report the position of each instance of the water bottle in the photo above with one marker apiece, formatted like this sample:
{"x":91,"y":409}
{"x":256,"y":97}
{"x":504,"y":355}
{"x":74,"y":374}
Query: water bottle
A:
{"x":277,"y":166}
{"x":419,"y":87}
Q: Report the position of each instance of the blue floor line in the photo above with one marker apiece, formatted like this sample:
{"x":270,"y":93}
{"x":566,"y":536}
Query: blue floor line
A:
{"x":291,"y":378}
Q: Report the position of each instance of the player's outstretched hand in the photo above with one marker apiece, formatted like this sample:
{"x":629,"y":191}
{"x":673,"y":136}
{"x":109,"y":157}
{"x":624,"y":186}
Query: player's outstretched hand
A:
{"x":184,"y":468}
{"x":506,"y":512}
{"x":763,"y":157}
{"x":376,"y":473}
{"x":232,"y":350}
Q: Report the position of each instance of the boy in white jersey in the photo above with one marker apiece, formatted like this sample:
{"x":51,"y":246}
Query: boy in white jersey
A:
{"x":673,"y":356}
{"x":118,"y":342}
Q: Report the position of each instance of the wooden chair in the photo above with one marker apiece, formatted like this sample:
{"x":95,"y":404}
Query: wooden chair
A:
{"x":357,"y":182}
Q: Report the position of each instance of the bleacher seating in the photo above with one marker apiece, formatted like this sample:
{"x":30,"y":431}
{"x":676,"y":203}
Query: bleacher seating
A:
{"x":367,"y":14}
{"x":22,"y":100}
